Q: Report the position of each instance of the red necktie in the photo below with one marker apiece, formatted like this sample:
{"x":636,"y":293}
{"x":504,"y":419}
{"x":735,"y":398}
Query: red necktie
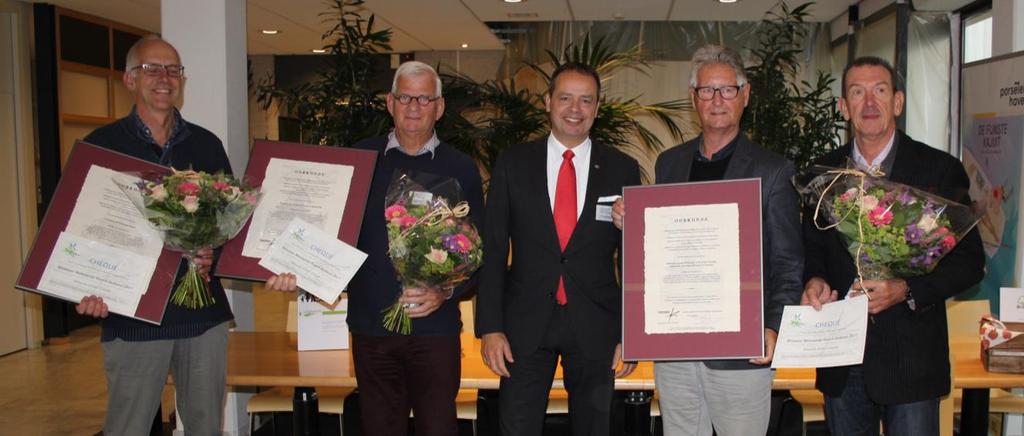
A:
{"x":565,"y":211}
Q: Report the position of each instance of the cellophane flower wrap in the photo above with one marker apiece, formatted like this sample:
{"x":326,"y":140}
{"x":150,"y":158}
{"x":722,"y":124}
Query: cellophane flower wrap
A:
{"x":892,"y":230}
{"x":432,"y":242}
{"x":193,"y":210}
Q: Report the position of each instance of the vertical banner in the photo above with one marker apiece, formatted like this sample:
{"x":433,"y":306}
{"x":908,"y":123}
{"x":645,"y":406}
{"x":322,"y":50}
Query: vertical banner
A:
{"x":992,"y":138}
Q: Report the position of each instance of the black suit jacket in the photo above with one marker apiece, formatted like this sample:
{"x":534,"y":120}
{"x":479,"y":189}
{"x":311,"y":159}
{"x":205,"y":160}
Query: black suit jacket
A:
{"x":782,"y":254}
{"x":519,"y":300}
{"x":906,"y":357}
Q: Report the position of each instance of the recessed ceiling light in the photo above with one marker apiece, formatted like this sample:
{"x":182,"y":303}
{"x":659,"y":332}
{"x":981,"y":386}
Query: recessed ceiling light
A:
{"x":727,"y":1}
{"x":514,"y":1}
{"x":270,"y":31}
{"x":465,"y":45}
{"x":319,"y":50}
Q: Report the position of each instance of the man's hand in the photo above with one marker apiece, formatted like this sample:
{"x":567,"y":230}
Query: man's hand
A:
{"x":204,"y":260}
{"x":284,"y":282}
{"x":818,"y":292}
{"x":92,"y":306}
{"x":421,"y":302}
{"x":883,"y":293}
{"x":770,"y":338}
{"x":618,"y":212}
{"x":626,"y":368}
{"x":495,"y":350}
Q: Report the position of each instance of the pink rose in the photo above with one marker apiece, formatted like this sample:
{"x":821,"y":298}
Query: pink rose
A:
{"x":221,"y":186}
{"x":880,"y":216}
{"x":395,"y":211}
{"x":190,"y":203}
{"x":848,"y":194}
{"x":436,"y":256}
{"x":250,"y":198}
{"x":407,"y":220}
{"x":948,"y":242}
{"x":188,"y":188}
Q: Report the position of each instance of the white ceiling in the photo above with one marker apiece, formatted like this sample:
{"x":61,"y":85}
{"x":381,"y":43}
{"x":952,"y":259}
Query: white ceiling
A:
{"x":447,"y":24}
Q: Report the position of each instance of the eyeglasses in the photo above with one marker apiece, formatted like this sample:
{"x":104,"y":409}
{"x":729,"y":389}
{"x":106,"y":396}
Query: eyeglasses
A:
{"x":422,"y":99}
{"x":155,"y":70}
{"x":728,"y":92}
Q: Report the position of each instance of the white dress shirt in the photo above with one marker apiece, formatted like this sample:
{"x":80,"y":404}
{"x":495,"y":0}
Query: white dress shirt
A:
{"x":863,"y":163}
{"x":580,"y":160}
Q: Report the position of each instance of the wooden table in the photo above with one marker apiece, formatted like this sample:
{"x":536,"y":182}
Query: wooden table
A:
{"x":271,"y":359}
{"x":970,"y":375}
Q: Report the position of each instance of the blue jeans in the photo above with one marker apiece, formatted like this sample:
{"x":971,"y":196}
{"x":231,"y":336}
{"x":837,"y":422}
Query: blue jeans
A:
{"x":855,"y":414}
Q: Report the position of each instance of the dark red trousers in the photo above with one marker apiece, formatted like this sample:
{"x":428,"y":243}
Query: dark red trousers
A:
{"x":397,"y":374}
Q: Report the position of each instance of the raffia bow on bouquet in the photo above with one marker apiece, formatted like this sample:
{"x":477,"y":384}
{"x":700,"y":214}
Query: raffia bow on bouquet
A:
{"x":193,"y":210}
{"x":432,"y":242}
{"x":891,"y":229}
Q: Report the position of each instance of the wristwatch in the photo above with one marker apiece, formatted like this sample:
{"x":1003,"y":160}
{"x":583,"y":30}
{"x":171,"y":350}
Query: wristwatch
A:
{"x":910,"y":300}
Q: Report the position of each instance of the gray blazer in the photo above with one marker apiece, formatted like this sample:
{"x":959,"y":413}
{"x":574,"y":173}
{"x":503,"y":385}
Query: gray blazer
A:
{"x":782,"y":245}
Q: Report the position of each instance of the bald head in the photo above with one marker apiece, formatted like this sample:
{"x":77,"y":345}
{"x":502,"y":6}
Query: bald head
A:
{"x":135,"y":52}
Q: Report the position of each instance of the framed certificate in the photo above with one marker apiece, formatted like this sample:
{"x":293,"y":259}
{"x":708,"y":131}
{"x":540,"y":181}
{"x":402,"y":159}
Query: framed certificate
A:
{"x":94,"y":241}
{"x":323,"y":186}
{"x":692,"y":271}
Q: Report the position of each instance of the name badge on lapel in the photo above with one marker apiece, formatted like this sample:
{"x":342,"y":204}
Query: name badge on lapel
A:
{"x":604,"y":208}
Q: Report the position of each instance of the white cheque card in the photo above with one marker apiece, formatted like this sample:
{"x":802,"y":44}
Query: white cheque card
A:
{"x":322,"y":326}
{"x":831,"y":337}
{"x":79,"y":267}
{"x":322,"y":264}
{"x":1011,"y":304}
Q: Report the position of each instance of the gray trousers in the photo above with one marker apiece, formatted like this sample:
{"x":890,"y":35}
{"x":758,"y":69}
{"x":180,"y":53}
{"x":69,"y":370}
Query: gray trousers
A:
{"x":137,"y":372}
{"x":695,"y":399}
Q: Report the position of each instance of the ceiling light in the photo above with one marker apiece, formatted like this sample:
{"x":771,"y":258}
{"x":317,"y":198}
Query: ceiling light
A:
{"x":513,"y":1}
{"x":319,"y":50}
{"x":464,"y":45}
{"x":270,"y":31}
{"x":727,"y":1}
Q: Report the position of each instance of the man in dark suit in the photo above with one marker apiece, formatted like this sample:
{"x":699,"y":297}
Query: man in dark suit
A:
{"x":906,"y":357}
{"x":731,"y":397}
{"x":560,"y":297}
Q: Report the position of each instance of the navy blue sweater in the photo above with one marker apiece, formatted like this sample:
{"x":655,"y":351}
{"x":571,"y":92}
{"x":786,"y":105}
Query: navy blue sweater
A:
{"x":376,"y":286}
{"x":190,"y":146}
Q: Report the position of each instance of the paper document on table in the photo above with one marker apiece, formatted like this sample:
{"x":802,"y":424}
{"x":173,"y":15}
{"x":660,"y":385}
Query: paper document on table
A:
{"x":322,"y":264}
{"x":831,"y":337}
{"x":692,"y":269}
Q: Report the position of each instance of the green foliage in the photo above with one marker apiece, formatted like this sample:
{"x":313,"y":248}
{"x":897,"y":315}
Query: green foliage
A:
{"x":792,"y":117}
{"x":484,"y":118}
{"x":339,"y":107}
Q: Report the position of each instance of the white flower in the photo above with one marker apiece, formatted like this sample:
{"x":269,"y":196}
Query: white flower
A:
{"x":927,"y":223}
{"x":158,"y":193}
{"x":436,"y":256}
{"x":868,"y":203}
{"x":190,"y":203}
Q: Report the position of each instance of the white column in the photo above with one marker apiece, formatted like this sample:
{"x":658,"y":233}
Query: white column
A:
{"x":1007,"y":26}
{"x":210,"y":37}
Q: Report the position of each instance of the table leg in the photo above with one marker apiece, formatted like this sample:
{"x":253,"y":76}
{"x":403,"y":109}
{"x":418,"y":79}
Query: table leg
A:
{"x":638,"y":413}
{"x":974,"y":412}
{"x":305,"y":412}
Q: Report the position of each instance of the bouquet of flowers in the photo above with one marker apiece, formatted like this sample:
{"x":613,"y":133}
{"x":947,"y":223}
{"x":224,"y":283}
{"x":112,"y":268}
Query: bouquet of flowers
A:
{"x":892,"y":230}
{"x":195,"y":210}
{"x":432,"y":242}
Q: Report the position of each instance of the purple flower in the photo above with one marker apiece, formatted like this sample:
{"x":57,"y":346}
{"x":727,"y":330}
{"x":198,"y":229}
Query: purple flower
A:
{"x":913,"y":233}
{"x":905,"y":197}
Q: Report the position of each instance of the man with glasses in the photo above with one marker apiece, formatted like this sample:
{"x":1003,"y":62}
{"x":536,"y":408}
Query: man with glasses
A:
{"x":906,"y":355}
{"x":420,"y":371}
{"x":191,"y":343}
{"x":731,"y":397}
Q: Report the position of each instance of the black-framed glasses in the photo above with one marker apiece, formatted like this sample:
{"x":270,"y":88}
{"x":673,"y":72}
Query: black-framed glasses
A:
{"x":155,"y":70}
{"x":422,"y":99}
{"x":728,"y":92}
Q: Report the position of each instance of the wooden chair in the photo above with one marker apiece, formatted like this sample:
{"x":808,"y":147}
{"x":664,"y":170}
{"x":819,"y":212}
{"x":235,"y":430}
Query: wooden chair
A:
{"x":279,"y":399}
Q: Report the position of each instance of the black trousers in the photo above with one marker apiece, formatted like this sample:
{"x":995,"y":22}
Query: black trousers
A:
{"x":399,"y":373}
{"x":589,"y":382}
